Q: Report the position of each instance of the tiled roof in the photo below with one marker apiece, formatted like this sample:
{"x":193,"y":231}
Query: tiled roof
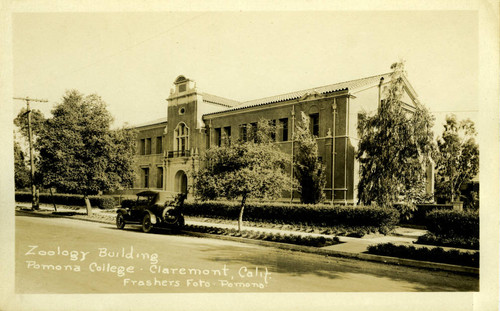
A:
{"x":219,"y":100}
{"x":347,"y":85}
{"x":152,"y":122}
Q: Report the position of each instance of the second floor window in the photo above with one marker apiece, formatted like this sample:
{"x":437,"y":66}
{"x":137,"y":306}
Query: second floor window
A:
{"x":283,"y":129}
{"x":148,"y":145}
{"x":314,"y":124}
{"x":142,"y":146}
{"x":159,"y":144}
{"x":243,"y":132}
{"x":227,"y":135}
{"x":181,"y":137}
{"x":217,"y":138}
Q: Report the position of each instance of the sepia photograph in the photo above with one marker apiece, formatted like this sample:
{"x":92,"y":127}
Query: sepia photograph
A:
{"x":250,"y":157}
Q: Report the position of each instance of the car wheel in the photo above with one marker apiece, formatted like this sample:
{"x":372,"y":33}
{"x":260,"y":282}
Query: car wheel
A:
{"x":146,"y":223}
{"x":120,"y":221}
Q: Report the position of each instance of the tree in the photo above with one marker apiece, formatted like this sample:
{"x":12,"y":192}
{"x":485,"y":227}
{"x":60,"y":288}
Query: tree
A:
{"x":21,"y":170}
{"x":79,"y":153}
{"x":309,"y":171}
{"x":394,"y":149}
{"x":244,"y":169}
{"x":458,"y":160}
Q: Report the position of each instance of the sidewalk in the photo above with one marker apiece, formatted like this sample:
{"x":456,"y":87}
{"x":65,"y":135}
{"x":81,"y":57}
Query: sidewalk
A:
{"x":400,"y":235}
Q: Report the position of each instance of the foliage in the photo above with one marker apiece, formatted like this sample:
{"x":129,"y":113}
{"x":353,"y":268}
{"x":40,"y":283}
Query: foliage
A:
{"x":460,"y":242}
{"x":436,"y":254}
{"x":308,"y":170}
{"x":21,"y":170}
{"x":37,"y":122}
{"x":394,"y":149}
{"x":314,"y":241}
{"x":251,"y":169}
{"x":101,"y":202}
{"x":458,"y":160}
{"x":79,"y":153}
{"x":451,"y":223}
{"x":383,"y":219}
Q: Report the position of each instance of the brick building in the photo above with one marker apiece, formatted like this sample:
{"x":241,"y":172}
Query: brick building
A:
{"x":169,"y":150}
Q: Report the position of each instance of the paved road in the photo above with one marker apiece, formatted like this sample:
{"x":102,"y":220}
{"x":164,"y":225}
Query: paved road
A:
{"x":58,"y":255}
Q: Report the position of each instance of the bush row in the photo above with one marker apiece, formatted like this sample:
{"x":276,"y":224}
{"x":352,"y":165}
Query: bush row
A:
{"x":460,"y":242}
{"x":437,"y":254}
{"x":267,"y":236}
{"x":450,"y":223}
{"x":68,"y":199}
{"x":321,"y":215}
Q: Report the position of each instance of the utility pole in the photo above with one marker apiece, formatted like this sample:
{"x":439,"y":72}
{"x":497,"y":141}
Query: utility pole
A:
{"x":291,"y":169}
{"x":334,"y":112}
{"x":34,"y":200}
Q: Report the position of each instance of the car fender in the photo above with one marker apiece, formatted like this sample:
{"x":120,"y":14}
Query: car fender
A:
{"x":152,"y":215}
{"x":122,"y":211}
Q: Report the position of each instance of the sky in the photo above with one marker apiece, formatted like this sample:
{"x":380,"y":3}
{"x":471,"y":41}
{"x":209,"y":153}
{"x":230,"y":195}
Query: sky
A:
{"x":131,"y":59}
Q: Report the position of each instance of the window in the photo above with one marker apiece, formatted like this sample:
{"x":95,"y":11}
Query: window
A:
{"x":217,"y":137}
{"x":142,"y":146}
{"x":253,"y":131}
{"x":243,"y":132}
{"x":159,"y":144}
{"x":272,"y":124}
{"x":145,"y":177}
{"x":182,"y":87}
{"x":314,"y":124}
{"x":181,"y":134}
{"x":159,"y":177}
{"x":283,"y":129}
{"x":148,"y":146}
{"x":227,"y":135}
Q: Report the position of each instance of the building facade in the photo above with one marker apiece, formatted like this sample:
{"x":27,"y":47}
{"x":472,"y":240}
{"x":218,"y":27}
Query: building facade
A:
{"x":168,"y":151}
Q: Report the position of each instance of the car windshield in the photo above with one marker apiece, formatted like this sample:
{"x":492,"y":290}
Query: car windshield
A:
{"x":144,"y":199}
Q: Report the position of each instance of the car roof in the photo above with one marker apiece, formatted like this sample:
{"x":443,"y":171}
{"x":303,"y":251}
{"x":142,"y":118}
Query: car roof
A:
{"x":162,"y":195}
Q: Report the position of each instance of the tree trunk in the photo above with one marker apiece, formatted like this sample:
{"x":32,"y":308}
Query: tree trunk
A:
{"x":52,"y":197}
{"x":240,"y":219}
{"x":87,"y":205}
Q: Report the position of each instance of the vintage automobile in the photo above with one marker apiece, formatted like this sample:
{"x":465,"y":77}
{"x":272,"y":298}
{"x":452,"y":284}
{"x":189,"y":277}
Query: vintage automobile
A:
{"x":153,"y":209}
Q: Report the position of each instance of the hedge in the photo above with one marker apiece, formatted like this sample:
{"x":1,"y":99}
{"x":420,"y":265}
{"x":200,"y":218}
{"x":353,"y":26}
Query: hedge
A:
{"x":68,"y":199}
{"x":460,"y":242}
{"x":320,"y":215}
{"x":453,"y":223}
{"x":316,"y":241}
{"x":437,"y":254}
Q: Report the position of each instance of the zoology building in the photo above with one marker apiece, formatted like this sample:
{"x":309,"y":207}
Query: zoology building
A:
{"x":169,"y":148}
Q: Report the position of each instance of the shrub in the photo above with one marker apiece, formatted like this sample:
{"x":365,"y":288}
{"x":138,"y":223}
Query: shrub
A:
{"x":461,"y":242}
{"x":453,"y":223}
{"x":299,"y":214}
{"x":102,"y":202}
{"x":437,"y":254}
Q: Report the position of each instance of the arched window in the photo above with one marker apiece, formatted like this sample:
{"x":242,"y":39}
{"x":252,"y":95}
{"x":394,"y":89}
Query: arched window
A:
{"x":181,"y":138}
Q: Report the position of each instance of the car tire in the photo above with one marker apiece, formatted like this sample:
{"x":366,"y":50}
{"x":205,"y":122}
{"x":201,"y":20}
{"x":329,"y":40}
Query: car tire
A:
{"x":120,"y":221}
{"x":146,"y":223}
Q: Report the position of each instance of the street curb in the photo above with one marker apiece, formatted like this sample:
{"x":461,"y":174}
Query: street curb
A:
{"x":361,"y":256}
{"x":311,"y":250}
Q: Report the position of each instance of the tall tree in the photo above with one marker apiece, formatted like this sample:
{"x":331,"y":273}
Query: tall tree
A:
{"x":458,"y":160}
{"x":21,"y":170}
{"x":394,"y":149}
{"x":309,"y":171}
{"x":244,"y":169}
{"x":79,"y":153}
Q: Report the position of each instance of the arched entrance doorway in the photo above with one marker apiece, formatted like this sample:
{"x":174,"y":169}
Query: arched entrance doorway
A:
{"x":181,"y":182}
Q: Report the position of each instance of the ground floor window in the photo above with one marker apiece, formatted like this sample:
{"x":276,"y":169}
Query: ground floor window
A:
{"x":145,"y":177}
{"x":159,"y":178}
